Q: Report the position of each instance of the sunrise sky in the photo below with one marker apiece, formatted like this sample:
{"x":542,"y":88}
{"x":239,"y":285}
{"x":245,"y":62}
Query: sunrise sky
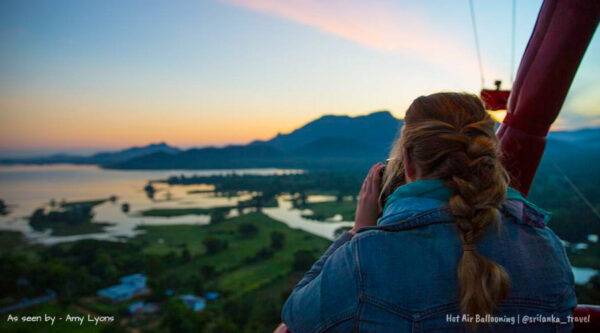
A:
{"x":80,"y":76}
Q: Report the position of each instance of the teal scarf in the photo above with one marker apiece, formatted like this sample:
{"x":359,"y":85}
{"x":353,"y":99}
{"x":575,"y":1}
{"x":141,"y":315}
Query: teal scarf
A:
{"x":435,"y":189}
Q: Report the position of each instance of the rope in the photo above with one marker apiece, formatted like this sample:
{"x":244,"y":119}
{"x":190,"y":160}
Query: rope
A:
{"x":579,"y":193}
{"x":512,"y":51}
{"x":476,"y":42}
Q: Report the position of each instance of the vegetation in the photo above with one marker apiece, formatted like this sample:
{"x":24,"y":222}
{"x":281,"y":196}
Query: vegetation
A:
{"x":3,"y":208}
{"x":553,"y":189}
{"x":71,"y":218}
{"x":339,"y":183}
{"x":277,"y":239}
{"x":11,"y":240}
{"x":181,"y":258}
{"x":327,"y":210}
{"x":171,"y":212}
{"x":247,"y":229}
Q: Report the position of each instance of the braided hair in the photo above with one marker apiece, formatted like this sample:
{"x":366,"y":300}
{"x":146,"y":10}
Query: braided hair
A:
{"x":450,"y":136}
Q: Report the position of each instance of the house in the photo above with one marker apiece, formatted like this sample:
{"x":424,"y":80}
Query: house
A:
{"x":131,"y":286}
{"x":141,"y":307}
{"x":136,"y":280}
{"x":211,"y":295}
{"x":194,"y":302}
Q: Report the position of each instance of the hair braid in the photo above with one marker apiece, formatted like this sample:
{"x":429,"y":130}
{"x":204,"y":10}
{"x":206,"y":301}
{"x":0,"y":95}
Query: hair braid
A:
{"x":483,"y":283}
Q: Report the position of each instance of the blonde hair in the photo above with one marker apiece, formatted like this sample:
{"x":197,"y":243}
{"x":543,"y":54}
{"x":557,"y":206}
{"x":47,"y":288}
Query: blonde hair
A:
{"x":450,"y":136}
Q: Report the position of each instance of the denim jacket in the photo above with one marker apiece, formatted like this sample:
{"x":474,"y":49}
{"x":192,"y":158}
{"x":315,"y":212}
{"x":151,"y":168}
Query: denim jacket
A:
{"x":401,"y":275}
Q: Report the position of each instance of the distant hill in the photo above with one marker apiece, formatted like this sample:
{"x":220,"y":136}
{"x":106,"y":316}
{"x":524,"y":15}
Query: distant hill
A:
{"x":231,"y":157}
{"x":101,"y":158}
{"x":327,"y":142}
{"x":376,"y":129}
{"x":330,"y":141}
{"x":583,"y":137}
{"x":134,"y":152}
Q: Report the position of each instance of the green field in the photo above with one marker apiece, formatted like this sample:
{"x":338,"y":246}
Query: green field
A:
{"x":326,"y":210}
{"x":235,"y":275}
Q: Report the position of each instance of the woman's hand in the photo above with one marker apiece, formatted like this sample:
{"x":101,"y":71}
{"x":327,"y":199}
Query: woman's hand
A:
{"x":367,"y":208}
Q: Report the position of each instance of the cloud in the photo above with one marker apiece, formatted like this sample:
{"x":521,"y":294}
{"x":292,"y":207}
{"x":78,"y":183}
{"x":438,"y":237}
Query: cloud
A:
{"x":571,"y":121}
{"x":380,"y":26}
{"x":581,"y":108}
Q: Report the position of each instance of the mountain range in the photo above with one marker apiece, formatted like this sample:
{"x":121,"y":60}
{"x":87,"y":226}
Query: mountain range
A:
{"x":331,"y":141}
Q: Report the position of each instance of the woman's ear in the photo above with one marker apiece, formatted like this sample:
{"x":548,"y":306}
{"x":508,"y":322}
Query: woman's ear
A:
{"x":409,"y":166}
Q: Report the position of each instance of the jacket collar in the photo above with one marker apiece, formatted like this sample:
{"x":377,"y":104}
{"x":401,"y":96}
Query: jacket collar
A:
{"x":429,"y":194}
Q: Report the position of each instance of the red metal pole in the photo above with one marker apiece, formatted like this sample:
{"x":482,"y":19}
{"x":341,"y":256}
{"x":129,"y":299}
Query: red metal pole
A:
{"x":561,"y":35}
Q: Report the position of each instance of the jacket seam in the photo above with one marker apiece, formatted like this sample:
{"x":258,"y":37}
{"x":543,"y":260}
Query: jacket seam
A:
{"x":344,"y":316}
{"x":387,"y":306}
{"x":424,"y":314}
{"x":359,"y":285}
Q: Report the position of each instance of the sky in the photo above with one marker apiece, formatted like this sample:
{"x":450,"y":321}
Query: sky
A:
{"x":81,"y":76}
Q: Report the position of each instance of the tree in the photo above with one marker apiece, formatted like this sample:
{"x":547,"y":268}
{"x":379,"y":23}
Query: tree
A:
{"x":214,"y":245}
{"x":208,"y":272}
{"x":186,"y":256}
{"x":259,"y":202}
{"x":247,"y":230}
{"x":159,"y":288}
{"x":217,"y":215}
{"x":277,"y":240}
{"x":198,"y":285}
{"x":178,"y":318}
{"x":303,"y":259}
{"x":150,"y":191}
{"x":303,"y":197}
{"x":171,"y":256}
{"x":154,"y":265}
{"x":238,"y":310}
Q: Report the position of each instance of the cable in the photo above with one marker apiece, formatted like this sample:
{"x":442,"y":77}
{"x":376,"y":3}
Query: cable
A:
{"x":577,"y":191}
{"x":512,"y":51}
{"x":476,"y":42}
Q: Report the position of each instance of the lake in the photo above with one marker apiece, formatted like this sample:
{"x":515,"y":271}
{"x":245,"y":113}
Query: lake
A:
{"x":26,"y":188}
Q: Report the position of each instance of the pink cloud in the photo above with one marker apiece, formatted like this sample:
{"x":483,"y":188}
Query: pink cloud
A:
{"x":379,"y":26}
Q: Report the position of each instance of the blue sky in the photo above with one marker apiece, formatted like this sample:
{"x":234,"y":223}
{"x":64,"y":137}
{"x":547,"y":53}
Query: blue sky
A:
{"x":87,"y":75}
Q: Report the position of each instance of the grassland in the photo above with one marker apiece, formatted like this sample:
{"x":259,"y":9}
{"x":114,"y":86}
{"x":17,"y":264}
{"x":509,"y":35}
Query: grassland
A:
{"x":236,"y":275}
{"x":325,"y":210}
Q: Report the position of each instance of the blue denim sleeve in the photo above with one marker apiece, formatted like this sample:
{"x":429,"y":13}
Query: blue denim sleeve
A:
{"x":318,"y":266}
{"x":327,"y":295}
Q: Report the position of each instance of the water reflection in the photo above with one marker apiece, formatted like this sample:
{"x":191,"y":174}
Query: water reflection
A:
{"x":26,"y":188}
{"x":293,"y":218}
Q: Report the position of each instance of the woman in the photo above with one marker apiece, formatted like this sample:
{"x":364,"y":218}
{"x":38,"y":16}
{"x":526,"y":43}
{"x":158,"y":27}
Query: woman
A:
{"x":453,"y":248}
